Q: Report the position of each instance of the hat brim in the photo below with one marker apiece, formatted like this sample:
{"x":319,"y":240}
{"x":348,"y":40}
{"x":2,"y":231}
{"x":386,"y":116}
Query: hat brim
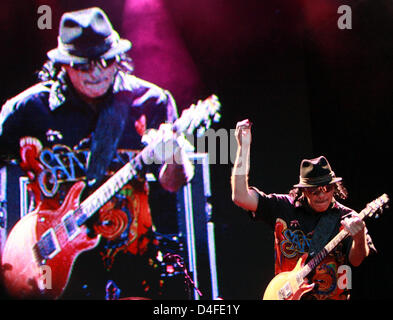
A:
{"x":305,"y":185}
{"x":59,"y":56}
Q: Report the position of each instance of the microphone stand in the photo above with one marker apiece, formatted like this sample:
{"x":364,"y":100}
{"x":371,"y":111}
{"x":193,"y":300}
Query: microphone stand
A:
{"x":190,"y":283}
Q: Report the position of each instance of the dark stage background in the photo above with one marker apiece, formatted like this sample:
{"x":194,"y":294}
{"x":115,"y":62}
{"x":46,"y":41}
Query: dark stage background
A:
{"x":308,"y":87}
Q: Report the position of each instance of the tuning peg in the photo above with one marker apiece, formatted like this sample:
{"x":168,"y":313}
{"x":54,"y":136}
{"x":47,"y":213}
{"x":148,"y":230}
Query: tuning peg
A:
{"x":208,"y":123}
{"x":184,"y":143}
{"x":214,"y":98}
{"x":200,"y":132}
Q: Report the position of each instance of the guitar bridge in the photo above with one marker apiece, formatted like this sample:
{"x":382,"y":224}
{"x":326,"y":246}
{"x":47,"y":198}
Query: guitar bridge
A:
{"x":285,"y":292}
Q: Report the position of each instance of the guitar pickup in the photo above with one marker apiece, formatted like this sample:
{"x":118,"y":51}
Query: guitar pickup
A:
{"x":47,"y":247}
{"x":70,"y":225}
{"x":299,"y":279}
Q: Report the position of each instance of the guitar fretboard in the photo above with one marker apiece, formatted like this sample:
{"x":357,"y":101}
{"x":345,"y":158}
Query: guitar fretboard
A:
{"x":113,"y":185}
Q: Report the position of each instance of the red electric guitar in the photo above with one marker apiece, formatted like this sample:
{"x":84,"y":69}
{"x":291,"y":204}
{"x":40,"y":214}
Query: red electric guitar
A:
{"x":42,"y":247}
{"x":292,"y":285}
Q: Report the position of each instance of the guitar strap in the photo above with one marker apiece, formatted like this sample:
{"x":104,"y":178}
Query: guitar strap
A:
{"x":106,"y":136}
{"x":323,"y":232}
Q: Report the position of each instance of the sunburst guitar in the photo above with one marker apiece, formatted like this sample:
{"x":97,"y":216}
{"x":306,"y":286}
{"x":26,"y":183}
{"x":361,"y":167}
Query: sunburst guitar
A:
{"x":292,"y":285}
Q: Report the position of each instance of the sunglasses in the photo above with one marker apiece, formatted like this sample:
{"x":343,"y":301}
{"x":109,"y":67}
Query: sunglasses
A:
{"x":89,"y":66}
{"x":324,"y":189}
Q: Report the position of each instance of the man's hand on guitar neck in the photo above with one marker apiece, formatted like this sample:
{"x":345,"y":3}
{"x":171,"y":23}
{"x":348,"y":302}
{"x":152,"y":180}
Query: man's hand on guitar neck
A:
{"x":177,"y":169}
{"x":357,"y":230}
{"x":354,"y":225}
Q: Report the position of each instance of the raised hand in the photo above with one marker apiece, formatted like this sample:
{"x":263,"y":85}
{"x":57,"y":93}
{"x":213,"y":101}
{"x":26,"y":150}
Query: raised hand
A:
{"x":243,"y":132}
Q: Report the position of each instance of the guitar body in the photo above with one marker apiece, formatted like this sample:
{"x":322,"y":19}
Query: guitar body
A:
{"x":26,"y":275}
{"x":286,"y":285}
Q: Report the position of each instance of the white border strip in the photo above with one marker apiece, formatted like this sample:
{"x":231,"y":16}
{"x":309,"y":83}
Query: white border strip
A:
{"x":190,"y":235}
{"x":212,"y":259}
{"x":23,"y":182}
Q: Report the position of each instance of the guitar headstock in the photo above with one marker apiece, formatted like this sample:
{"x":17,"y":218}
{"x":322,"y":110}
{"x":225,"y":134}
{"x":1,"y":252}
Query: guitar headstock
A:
{"x":375,"y":208}
{"x":199,"y":115}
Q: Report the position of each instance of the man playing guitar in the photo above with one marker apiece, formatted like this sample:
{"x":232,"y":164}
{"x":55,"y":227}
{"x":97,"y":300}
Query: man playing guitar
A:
{"x":82,"y":123}
{"x":303,"y":222}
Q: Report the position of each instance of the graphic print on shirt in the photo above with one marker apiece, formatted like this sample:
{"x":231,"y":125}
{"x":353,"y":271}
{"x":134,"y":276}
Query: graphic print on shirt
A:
{"x":326,"y":277}
{"x":291,"y":243}
{"x":124,"y":221}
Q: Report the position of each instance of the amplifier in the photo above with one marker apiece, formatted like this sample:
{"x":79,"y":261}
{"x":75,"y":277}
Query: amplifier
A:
{"x":197,"y":230}
{"x":14,"y":199}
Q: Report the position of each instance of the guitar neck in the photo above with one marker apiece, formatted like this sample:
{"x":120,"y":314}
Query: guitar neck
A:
{"x":113,"y":185}
{"x":191,"y":119}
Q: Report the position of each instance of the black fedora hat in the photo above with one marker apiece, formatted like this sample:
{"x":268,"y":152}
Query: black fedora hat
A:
{"x":85,"y":35}
{"x":316,"y":172}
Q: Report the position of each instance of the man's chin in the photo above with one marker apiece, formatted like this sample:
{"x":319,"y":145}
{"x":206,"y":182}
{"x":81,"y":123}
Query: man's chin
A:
{"x":321,"y":207}
{"x":94,"y":93}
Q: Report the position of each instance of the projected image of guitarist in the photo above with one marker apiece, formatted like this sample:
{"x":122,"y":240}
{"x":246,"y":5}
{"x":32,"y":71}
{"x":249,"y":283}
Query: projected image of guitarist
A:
{"x":314,"y":233}
{"x":78,"y":136}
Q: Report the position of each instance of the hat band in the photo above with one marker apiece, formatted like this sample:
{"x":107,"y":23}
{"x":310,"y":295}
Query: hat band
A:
{"x":90,"y":52}
{"x":317,"y":180}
